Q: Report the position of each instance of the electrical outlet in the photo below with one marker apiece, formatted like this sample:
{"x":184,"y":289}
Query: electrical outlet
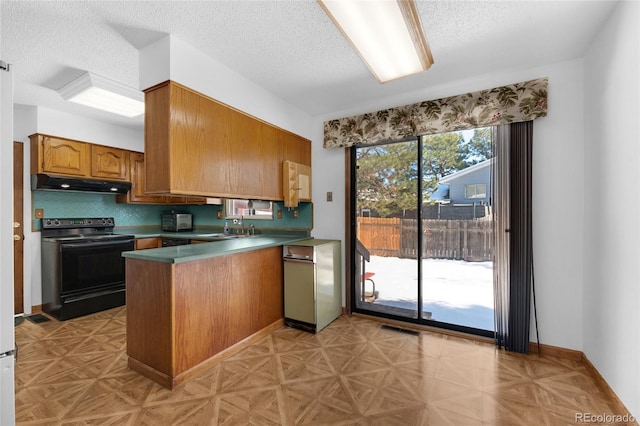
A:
{"x":219,"y":214}
{"x":329,"y":196}
{"x":279,"y":214}
{"x":39,"y":213}
{"x":295,"y":213}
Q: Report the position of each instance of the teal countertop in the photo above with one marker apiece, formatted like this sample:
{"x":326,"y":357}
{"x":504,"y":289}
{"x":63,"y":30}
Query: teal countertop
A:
{"x":201,"y":232}
{"x":217,"y":246}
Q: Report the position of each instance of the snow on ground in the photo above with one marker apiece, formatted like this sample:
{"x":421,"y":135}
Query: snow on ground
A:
{"x":454,"y":291}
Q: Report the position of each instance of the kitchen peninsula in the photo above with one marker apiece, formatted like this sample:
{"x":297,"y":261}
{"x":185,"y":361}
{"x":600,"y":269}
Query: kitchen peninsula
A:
{"x":191,"y":306}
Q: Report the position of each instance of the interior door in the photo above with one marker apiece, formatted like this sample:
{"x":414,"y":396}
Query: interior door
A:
{"x":18,"y":228}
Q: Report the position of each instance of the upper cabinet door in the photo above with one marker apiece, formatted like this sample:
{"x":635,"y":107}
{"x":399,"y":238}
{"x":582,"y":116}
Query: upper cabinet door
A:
{"x":109,"y":163}
{"x":274,"y":152}
{"x":138,"y":183}
{"x":62,"y":156}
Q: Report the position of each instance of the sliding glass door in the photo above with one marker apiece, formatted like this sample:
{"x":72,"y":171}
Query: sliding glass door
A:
{"x":385,"y":206}
{"x":423,"y":230}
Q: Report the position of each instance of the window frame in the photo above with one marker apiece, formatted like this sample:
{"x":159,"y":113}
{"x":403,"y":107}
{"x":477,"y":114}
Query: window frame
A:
{"x":475,"y":186}
{"x":231,"y":213}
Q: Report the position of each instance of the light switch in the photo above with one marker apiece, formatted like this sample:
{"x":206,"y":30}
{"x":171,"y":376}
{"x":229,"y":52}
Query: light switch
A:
{"x":329,"y":196}
{"x":219,"y":214}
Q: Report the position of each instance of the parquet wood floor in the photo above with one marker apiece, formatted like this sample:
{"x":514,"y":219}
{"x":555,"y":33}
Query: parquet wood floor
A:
{"x":352,"y":373}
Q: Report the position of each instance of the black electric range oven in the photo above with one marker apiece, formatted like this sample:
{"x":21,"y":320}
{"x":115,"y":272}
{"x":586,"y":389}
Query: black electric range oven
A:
{"x":83,"y":270}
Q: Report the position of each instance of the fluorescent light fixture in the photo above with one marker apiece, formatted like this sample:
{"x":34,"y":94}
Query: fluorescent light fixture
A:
{"x":387,"y":34}
{"x":101,"y":93}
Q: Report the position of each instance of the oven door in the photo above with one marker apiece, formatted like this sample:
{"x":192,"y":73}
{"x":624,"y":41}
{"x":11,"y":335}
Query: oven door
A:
{"x":92,"y":266}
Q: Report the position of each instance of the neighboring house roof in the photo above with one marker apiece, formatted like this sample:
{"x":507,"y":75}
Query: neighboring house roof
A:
{"x":471,"y":169}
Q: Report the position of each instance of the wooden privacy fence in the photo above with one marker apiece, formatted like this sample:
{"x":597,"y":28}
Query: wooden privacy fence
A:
{"x":469,"y":240}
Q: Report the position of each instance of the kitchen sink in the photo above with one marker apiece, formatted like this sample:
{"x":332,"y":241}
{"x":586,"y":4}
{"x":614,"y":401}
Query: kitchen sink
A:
{"x":223,"y":236}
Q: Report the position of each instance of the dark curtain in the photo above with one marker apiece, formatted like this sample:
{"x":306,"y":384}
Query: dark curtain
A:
{"x":516,"y":291}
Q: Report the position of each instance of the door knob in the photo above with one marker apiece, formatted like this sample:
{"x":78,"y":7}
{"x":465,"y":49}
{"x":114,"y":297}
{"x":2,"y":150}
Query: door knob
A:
{"x":17,"y":237}
{"x":16,"y":224}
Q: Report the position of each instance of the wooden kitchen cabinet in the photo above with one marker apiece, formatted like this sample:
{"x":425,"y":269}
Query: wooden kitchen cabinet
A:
{"x":298,"y":149}
{"x":66,"y":157}
{"x":244,"y":162}
{"x":274,"y":151}
{"x":109,"y":163}
{"x":59,"y":156}
{"x":202,"y":147}
{"x":138,"y":194}
{"x":147,"y":243}
{"x":296,"y":183}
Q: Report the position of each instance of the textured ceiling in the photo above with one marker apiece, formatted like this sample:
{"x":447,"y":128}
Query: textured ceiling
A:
{"x":289,"y":47}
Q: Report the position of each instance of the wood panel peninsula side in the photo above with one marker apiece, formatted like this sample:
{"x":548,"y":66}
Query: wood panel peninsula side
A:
{"x":184,"y":317}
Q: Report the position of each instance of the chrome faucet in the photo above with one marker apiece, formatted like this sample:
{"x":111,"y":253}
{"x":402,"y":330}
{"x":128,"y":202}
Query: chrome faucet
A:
{"x":252,"y":230}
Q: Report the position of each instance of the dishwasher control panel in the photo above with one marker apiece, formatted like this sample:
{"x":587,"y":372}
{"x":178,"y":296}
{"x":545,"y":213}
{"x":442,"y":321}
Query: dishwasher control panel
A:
{"x":298,"y":252}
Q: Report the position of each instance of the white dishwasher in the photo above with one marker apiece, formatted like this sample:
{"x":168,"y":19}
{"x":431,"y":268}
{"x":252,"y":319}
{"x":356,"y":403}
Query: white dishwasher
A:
{"x":312,"y":284}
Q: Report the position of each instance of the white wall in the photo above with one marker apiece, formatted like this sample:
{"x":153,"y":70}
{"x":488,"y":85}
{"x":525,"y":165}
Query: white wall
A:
{"x":612,"y":212}
{"x":70,"y":126}
{"x":172,"y":59}
{"x":328,"y":175}
{"x":558,"y":190}
{"x":29,"y":120}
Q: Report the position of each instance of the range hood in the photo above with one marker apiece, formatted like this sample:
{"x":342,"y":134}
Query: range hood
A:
{"x":43,"y":182}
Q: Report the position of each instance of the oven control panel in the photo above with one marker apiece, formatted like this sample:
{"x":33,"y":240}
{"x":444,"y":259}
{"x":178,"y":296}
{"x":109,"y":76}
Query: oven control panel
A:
{"x":52,"y":223}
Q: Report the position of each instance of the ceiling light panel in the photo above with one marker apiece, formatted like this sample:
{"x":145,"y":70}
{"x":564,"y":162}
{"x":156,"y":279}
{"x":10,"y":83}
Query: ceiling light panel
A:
{"x":387,"y":34}
{"x":105,"y":94}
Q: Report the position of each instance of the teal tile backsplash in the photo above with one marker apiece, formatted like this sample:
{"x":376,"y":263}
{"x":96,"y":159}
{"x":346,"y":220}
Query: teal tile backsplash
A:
{"x":81,"y":204}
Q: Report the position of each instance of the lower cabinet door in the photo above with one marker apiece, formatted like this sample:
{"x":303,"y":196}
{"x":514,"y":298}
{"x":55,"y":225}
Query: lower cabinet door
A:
{"x":300,"y":291}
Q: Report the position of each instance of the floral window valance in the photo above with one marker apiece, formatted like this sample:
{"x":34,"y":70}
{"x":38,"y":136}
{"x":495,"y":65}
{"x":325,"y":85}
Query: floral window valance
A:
{"x":507,"y":104}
